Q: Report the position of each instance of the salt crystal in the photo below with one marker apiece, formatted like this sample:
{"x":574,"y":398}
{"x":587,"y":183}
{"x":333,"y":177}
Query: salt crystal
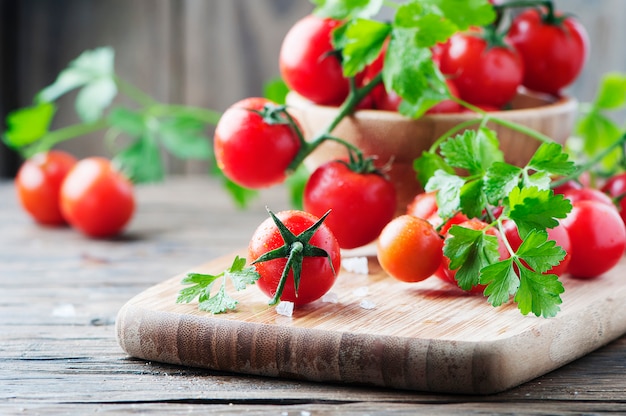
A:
{"x":367,"y":304}
{"x":356,"y":265}
{"x":361,"y":291}
{"x":330,"y":297}
{"x":284,"y":308}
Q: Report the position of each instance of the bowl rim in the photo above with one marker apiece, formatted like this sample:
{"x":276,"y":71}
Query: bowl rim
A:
{"x":558,"y":105}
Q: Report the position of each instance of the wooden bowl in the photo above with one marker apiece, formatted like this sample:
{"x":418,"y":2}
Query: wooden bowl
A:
{"x":391,"y":136}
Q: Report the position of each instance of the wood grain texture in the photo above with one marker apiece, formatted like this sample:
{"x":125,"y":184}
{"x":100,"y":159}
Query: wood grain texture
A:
{"x":60,"y":294}
{"x":425,"y":336}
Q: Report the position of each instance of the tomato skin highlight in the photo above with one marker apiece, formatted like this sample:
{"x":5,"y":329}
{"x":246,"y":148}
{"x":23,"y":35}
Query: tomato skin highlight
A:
{"x":361,"y":204}
{"x":251,"y":152}
{"x":409,"y":249}
{"x":38,"y":185}
{"x":307,"y":64}
{"x":616,"y":188}
{"x":598,"y":238}
{"x":553,"y":54}
{"x":317,"y":276}
{"x":96,"y":199}
{"x":483,"y":75}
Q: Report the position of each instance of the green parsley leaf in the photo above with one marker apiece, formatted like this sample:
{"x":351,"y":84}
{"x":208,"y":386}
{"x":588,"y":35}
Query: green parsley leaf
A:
{"x":276,"y":90}
{"x":221,"y":301}
{"x":540,"y":180}
{"x":500,"y":179}
{"x":540,"y":253}
{"x":29,"y":124}
{"x":472,"y":198}
{"x":470,"y":251}
{"x":501,"y":280}
{"x":539,"y":293}
{"x":427,"y":26}
{"x":612,"y":91}
{"x":598,"y":133}
{"x":347,"y":9}
{"x":360,"y":42}
{"x":141,"y":160}
{"x":411,"y":72}
{"x":448,"y":187}
{"x":472,"y":150}
{"x":185,"y":138}
{"x":241,"y":275}
{"x":534,"y":208}
{"x":94,"y":71}
{"x":551,"y":158}
{"x":462,"y":13}
{"x":218,"y":303}
{"x":129,"y":121}
{"x":429,"y":163}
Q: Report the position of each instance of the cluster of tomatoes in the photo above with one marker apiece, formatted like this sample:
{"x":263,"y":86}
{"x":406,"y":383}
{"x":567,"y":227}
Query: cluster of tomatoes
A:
{"x":540,"y":50}
{"x":593,"y":235}
{"x":89,"y":194}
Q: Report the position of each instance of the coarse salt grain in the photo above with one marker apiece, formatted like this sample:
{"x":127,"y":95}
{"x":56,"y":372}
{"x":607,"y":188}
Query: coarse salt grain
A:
{"x":367,"y":304}
{"x":285,"y":308}
{"x":330,"y":297}
{"x":356,"y":265}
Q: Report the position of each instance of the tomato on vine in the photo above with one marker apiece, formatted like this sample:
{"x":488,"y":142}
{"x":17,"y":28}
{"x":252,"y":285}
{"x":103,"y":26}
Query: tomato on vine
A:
{"x":296,"y":255}
{"x":362,"y":201}
{"x":255,"y":142}
{"x":409,"y":249}
{"x":97,"y":199}
{"x":308,"y":63}
{"x":484,"y":73}
{"x":554,"y":48}
{"x":38,"y":184}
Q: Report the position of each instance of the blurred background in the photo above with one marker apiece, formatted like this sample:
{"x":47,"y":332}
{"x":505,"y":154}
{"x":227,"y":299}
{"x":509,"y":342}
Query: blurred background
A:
{"x":207,"y":53}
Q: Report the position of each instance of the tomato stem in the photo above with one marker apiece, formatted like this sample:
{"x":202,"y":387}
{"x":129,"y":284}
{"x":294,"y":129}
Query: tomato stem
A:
{"x":354,"y":97}
{"x":295,"y":249}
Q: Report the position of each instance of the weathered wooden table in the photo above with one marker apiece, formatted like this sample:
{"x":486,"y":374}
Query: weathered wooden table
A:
{"x":60,"y":293}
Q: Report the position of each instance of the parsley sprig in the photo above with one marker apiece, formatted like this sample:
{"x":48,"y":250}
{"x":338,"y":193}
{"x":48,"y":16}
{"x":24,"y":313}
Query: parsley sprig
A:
{"x":524,"y":194}
{"x":138,"y":133}
{"x":220,"y":301}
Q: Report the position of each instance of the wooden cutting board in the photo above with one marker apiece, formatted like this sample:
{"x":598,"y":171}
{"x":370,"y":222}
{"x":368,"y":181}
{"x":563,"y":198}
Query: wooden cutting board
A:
{"x":425,"y":336}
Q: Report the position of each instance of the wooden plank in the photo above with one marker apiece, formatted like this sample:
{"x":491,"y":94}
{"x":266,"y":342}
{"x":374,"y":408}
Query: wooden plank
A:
{"x":425,"y":336}
{"x":54,"y":362}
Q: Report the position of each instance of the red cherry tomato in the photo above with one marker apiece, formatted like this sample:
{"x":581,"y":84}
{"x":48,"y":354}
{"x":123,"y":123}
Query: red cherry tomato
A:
{"x":361,"y":204}
{"x":598,"y":238}
{"x":409,"y":249}
{"x":307,"y":62}
{"x":473,"y":224}
{"x":587,"y":194}
{"x":423,"y":205}
{"x":38,"y":183}
{"x":558,"y":234}
{"x":447,"y":106}
{"x":616,"y":188}
{"x":96,"y":199}
{"x":553,"y":52}
{"x":484,"y":75}
{"x":249,"y":150}
{"x":317,"y":275}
